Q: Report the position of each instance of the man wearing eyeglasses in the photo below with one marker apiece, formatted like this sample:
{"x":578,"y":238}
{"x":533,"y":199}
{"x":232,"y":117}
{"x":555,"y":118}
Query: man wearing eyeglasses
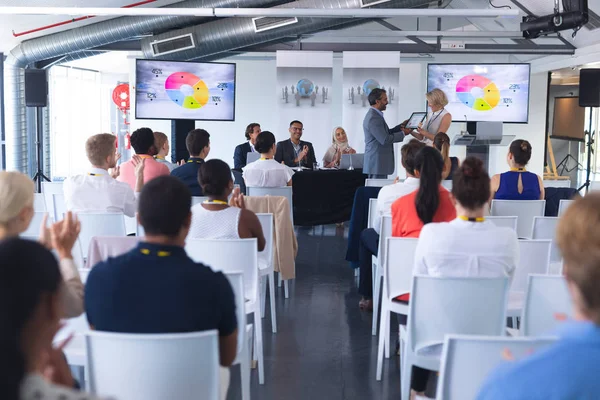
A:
{"x":295,"y":152}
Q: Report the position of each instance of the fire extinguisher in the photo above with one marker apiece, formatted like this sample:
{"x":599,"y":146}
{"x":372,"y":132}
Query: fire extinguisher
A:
{"x":127,"y":141}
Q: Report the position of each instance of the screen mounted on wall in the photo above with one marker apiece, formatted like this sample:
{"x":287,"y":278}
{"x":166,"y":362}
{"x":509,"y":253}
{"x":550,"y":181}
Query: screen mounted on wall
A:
{"x":483,"y":92}
{"x":185,"y":90}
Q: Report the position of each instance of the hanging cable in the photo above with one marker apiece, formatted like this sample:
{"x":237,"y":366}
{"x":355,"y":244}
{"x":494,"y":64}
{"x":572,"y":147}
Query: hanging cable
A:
{"x":492,"y":4}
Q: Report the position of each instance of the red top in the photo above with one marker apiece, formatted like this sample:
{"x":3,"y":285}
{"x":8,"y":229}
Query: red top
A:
{"x":406,"y":222}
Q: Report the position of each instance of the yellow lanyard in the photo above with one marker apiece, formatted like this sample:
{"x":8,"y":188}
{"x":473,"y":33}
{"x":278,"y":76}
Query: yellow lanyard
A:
{"x":90,"y":174}
{"x":196,"y":161}
{"x":518,"y":169}
{"x":160,"y":158}
{"x":215,"y":202}
{"x":465,"y":218}
{"x":160,"y":253}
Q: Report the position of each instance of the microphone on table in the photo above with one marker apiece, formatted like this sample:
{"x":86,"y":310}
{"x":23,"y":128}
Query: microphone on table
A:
{"x":465,"y":132}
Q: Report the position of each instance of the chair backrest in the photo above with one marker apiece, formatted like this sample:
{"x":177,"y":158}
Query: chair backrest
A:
{"x":182,"y":366}
{"x":236,"y":280}
{"x":48,"y":189}
{"x":545,"y":228}
{"x":441,"y":306}
{"x":266,"y":222}
{"x":39,"y":203}
{"x":447,"y":184}
{"x":468,"y":360}
{"x":378,"y":182}
{"x":534,"y":258}
{"x":504,"y":221}
{"x":228,"y":255}
{"x":33,"y":230}
{"x":284,"y":191}
{"x":547,"y":304}
{"x":103,"y":247}
{"x":59,"y":207}
{"x":563,"y":204}
{"x":384,"y":233}
{"x":399,"y":264}
{"x":198,"y":199}
{"x":372,"y":213}
{"x":99,"y":224}
{"x":524,"y":209}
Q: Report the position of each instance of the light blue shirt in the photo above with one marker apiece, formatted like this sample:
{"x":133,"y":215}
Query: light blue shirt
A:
{"x":566,"y":371}
{"x":378,"y":111}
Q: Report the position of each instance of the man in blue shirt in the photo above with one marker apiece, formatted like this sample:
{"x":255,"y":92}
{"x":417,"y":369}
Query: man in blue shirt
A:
{"x":567,"y":370}
{"x":156,"y":287}
{"x":198,"y":145}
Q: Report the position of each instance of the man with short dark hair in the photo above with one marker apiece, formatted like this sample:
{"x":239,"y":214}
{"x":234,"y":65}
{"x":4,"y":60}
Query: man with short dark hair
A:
{"x":142,"y":141}
{"x":198,"y":145}
{"x":156,"y":287}
{"x":295,"y":152}
{"x":379,"y":138}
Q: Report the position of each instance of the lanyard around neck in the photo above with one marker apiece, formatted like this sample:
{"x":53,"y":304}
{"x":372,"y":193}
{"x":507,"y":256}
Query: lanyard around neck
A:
{"x":465,"y":218}
{"x":159,"y":253}
{"x":433,"y":119}
{"x":215,"y":202}
{"x":518,"y":170}
{"x":194,"y":161}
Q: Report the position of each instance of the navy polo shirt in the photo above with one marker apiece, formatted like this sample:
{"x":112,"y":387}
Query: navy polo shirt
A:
{"x":158,"y":289}
{"x":188,"y":173}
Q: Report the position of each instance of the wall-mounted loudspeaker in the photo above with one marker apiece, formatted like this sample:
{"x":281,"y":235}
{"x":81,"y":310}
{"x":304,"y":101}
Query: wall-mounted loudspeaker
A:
{"x":589,"y":88}
{"x":36,"y":88}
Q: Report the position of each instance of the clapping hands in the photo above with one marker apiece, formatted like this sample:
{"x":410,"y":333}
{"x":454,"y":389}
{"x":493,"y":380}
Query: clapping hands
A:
{"x":237,"y":199}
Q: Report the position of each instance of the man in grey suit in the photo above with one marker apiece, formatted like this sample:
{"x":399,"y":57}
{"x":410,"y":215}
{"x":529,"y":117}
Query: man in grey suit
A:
{"x":379,"y":139}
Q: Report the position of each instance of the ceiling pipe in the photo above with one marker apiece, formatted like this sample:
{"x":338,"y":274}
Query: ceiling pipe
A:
{"x":262,"y":12}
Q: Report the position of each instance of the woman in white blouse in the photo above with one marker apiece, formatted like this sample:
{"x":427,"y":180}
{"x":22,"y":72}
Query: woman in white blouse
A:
{"x":469,"y":246}
{"x":266,"y":172}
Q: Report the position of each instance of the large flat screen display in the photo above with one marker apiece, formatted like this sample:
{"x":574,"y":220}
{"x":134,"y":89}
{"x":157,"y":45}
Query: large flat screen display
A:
{"x":185,"y":90}
{"x":483,"y":92}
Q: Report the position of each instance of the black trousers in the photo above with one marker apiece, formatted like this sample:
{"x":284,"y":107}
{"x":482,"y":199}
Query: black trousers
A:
{"x":368,"y":245}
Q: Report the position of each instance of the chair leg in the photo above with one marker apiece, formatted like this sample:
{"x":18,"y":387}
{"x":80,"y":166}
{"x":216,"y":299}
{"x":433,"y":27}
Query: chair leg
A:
{"x":272,"y":300}
{"x":286,"y":288}
{"x":263,"y":294}
{"x":405,"y":375}
{"x":383,"y":327}
{"x":259,"y":348}
{"x":279,"y":283}
{"x":376,"y":299}
{"x":386,"y":339}
{"x":356,"y":272}
{"x":245,"y":371}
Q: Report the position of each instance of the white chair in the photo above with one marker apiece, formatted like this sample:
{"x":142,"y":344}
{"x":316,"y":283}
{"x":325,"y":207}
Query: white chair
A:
{"x":236,"y":280}
{"x":525,"y":210}
{"x":534,"y":258}
{"x":99,"y":224}
{"x":378,"y":182}
{"x":507,"y":222}
{"x":372,"y":213}
{"x":33,"y":230}
{"x":397,"y":278}
{"x":377,"y":264}
{"x":179,"y":366}
{"x":443,"y":306}
{"x":231,"y":256}
{"x":468,"y":360}
{"x":59,"y":207}
{"x":103,"y":247}
{"x":447,"y":184}
{"x":265,"y":268}
{"x":39,"y":203}
{"x":48,"y":189}
{"x":198,"y":200}
{"x":563,"y":205}
{"x":284,"y":191}
{"x":545,"y":228}
{"x":547,"y":304}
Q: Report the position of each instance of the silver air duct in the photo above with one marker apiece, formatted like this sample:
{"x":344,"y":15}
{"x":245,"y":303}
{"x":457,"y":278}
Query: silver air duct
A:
{"x":217,"y":37}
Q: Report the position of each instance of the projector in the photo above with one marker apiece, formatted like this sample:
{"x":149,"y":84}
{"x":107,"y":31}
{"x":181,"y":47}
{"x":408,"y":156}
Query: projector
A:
{"x":574,"y":15}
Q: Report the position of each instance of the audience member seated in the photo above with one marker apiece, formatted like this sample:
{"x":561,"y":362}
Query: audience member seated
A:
{"x":142,"y":141}
{"x":340,"y":146}
{"x":568,"y":369}
{"x":30,"y":293}
{"x":99,"y":191}
{"x":441,"y":141}
{"x":369,"y":238}
{"x":266,"y":172}
{"x":518,"y":183}
{"x":295,"y":152}
{"x":241,"y":151}
{"x":16,"y":212}
{"x":161,"y":142}
{"x":215,"y":218}
{"x":198,"y":145}
{"x":430,"y":203}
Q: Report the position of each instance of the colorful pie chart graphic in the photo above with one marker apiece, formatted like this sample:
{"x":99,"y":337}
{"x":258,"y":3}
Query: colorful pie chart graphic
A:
{"x":478,"y":92}
{"x":187,"y":90}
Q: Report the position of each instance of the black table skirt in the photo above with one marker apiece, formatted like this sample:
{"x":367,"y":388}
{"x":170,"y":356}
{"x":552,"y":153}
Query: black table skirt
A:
{"x":324,"y":197}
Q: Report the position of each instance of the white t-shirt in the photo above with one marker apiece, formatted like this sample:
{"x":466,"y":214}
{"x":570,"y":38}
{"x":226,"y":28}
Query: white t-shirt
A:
{"x":267,"y":173}
{"x":389,"y":194}
{"x":97,"y":191}
{"x":466,"y":249}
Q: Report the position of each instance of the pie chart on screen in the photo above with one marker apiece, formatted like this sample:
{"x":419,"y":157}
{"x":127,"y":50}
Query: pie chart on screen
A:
{"x":478,"y":92}
{"x":187,"y":90}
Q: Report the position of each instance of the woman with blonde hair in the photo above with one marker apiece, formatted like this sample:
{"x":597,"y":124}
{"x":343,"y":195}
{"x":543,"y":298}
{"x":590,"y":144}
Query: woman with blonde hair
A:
{"x":339,"y":146}
{"x":438,"y":120}
{"x":16,"y":213}
{"x":441,"y":141}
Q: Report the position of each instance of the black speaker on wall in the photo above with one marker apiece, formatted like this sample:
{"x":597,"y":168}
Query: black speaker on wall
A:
{"x":589,"y":87}
{"x":36,"y":88}
{"x":179,"y":130}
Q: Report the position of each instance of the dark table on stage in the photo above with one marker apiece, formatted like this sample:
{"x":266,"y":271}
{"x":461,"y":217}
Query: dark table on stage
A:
{"x":325,"y":196}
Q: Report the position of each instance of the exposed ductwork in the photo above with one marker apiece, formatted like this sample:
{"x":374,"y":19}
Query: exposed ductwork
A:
{"x":217,"y":37}
{"x":77,"y":41}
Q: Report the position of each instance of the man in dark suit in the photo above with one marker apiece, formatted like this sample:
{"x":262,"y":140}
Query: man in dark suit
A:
{"x":242,"y":150}
{"x":198,"y":145}
{"x":295,"y":152}
{"x":379,"y":139}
